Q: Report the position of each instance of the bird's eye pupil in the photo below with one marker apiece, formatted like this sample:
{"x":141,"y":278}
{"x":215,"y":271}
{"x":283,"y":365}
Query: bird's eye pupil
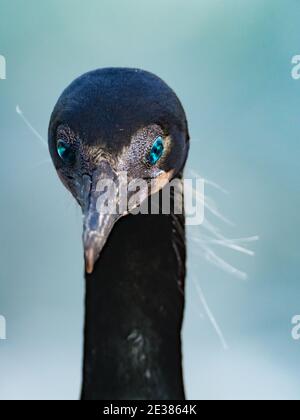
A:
{"x":156,"y":151}
{"x":65,"y":151}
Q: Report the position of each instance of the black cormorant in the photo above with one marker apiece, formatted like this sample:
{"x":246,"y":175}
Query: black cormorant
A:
{"x":106,"y":122}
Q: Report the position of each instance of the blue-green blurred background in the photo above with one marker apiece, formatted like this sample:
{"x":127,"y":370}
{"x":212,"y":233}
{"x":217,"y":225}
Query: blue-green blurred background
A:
{"x":230,"y":63}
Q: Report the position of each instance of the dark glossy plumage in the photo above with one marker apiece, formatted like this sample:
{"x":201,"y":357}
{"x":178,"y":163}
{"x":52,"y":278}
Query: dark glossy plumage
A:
{"x":134,"y":314}
{"x":135,"y":293}
{"x":108,"y":106}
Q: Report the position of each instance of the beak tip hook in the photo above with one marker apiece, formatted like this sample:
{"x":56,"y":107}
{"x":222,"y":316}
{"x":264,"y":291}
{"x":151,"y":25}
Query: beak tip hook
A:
{"x":89,"y":261}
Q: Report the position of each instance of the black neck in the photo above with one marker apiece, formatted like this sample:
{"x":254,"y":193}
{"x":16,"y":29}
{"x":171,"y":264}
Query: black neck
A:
{"x":134,"y":312}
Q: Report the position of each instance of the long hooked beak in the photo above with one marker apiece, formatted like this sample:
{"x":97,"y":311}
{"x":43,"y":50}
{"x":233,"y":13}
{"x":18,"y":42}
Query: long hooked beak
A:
{"x":100,"y":204}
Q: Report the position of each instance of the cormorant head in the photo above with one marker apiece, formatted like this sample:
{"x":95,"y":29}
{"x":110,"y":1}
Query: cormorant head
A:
{"x":109,"y":124}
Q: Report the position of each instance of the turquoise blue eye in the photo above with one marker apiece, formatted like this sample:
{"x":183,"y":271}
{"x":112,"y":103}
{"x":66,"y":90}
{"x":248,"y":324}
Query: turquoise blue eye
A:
{"x":65,"y":151}
{"x":156,"y":151}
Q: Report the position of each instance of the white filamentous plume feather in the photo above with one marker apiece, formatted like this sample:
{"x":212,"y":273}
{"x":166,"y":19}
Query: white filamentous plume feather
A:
{"x":210,"y":315}
{"x":30,"y":126}
{"x":207,"y":237}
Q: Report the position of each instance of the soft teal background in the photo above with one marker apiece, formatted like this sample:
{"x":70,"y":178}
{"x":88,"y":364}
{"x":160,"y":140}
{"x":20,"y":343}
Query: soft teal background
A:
{"x":230,"y":63}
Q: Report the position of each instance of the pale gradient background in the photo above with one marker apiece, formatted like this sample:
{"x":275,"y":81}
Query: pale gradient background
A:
{"x":230,"y":63}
